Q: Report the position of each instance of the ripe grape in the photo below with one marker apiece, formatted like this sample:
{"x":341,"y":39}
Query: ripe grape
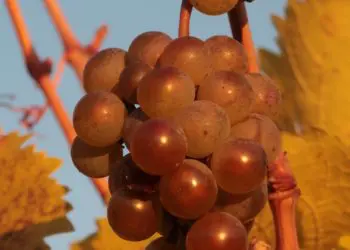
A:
{"x":189,"y":191}
{"x":225,"y":53}
{"x":239,"y":165}
{"x":267,"y":95}
{"x":158,"y":146}
{"x":161,"y":244}
{"x":214,"y":7}
{"x":263,"y":130}
{"x":94,"y":161}
{"x":102,"y":71}
{"x":126,"y":174}
{"x":98,"y":118}
{"x":129,"y":81}
{"x":163,"y":92}
{"x":147,"y":47}
{"x":206,"y":125}
{"x":231,"y":91}
{"x":219,"y":231}
{"x":245,"y":206}
{"x":132,"y":217}
{"x":132,"y":122}
{"x":187,"y":54}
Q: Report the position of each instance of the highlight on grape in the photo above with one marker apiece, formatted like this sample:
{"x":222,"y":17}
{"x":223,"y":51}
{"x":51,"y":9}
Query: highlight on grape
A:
{"x":200,"y":134}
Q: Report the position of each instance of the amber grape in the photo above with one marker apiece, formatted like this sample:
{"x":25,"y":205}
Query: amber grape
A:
{"x":206,"y":125}
{"x":103,"y":70}
{"x":147,"y":47}
{"x":132,"y":122}
{"x":214,"y":7}
{"x":186,"y":54}
{"x":239,"y":165}
{"x":98,"y":118}
{"x":189,"y":191}
{"x":231,"y":91}
{"x":219,"y":231}
{"x":163,"y":92}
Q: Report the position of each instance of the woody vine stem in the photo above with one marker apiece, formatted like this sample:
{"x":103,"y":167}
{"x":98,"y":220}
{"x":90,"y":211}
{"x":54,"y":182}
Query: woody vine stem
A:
{"x":283,"y":189}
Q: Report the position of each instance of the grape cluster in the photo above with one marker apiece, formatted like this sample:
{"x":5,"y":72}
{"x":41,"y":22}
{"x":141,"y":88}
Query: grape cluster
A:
{"x":200,"y":132}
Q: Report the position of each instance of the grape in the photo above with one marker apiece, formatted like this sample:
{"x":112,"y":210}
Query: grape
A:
{"x":206,"y":125}
{"x":187,"y":54}
{"x":267,"y":95}
{"x":129,"y":81}
{"x":214,"y":7}
{"x":161,"y":244}
{"x":239,"y":166}
{"x":263,"y":130}
{"x":147,"y":47}
{"x":189,"y":191}
{"x":126,"y":174}
{"x":219,"y":231}
{"x":229,"y":90}
{"x":98,"y":118}
{"x":132,"y":122}
{"x":102,"y":71}
{"x":225,"y":53}
{"x":132,"y":217}
{"x":245,"y":206}
{"x":163,"y":92}
{"x":158,"y":146}
{"x":94,"y":161}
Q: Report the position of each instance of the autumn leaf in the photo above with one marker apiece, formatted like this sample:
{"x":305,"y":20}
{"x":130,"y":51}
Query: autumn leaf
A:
{"x":31,"y":204}
{"x":106,"y":239}
{"x":312,"y":67}
{"x":322,"y":169}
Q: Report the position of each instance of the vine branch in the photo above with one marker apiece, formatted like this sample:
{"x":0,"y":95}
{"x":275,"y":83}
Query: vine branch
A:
{"x":185,"y":16}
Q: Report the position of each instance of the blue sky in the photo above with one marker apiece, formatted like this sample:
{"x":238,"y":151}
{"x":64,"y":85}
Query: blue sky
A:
{"x":126,"y":19}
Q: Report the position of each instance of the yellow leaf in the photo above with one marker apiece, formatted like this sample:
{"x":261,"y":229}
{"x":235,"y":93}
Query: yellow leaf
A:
{"x":322,"y":170}
{"x":314,"y":39}
{"x":344,"y":242}
{"x":106,"y":239}
{"x":31,"y":204}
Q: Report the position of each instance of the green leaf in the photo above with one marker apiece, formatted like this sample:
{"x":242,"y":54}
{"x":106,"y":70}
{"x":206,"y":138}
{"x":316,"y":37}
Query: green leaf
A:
{"x":321,"y":167}
{"x":31,"y":204}
{"x":106,"y":239}
{"x":312,"y":67}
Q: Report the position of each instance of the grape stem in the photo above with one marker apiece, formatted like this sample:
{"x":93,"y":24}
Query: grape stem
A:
{"x":185,"y":16}
{"x":239,"y":24}
{"x":283,"y":196}
{"x":40,"y":71}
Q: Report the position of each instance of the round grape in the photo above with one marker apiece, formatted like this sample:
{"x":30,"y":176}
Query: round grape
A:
{"x":186,"y":54}
{"x":102,"y":71}
{"x":127,"y":175}
{"x":206,"y":125}
{"x":132,"y":122}
{"x":163,"y":92}
{"x":214,"y":7}
{"x":129,"y":81}
{"x":189,"y":191}
{"x":132,"y":217}
{"x":239,"y":166}
{"x":98,"y":118}
{"x":158,"y":146}
{"x":229,"y":90}
{"x":226,"y":53}
{"x":93,"y":161}
{"x":263,"y":130}
{"x":268,"y":97}
{"x":147,"y":47}
{"x":219,"y":231}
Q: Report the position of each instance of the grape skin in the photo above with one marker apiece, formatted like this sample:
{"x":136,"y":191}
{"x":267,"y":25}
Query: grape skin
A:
{"x":214,"y":7}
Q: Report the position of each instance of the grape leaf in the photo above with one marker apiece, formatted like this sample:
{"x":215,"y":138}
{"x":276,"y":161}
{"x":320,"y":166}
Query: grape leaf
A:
{"x":312,"y":67}
{"x":344,"y":243}
{"x":106,"y":239}
{"x":31,"y":204}
{"x":322,"y":169}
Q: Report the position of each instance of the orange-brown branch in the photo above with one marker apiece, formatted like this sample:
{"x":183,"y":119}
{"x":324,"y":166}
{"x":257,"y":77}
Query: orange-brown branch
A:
{"x":185,"y":16}
{"x":40,"y":72}
{"x":76,"y":54}
{"x":238,"y":19}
